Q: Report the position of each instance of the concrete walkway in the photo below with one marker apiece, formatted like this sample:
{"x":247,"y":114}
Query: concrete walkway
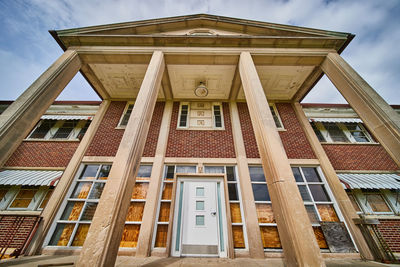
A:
{"x":124,"y":261}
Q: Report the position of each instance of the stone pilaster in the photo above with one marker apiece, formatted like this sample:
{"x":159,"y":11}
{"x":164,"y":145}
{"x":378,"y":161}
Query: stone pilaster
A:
{"x":104,"y":236}
{"x":256,"y":248}
{"x":297,"y":237}
{"x":150,"y":209}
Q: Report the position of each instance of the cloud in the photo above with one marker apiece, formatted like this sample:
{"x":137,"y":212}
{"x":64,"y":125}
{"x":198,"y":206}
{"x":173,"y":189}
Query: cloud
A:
{"x":373,"y":53}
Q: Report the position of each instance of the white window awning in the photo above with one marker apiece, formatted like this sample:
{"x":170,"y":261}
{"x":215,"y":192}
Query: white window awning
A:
{"x":369,"y":180}
{"x":29,"y":177}
{"x":342,"y":120}
{"x":66,"y":117}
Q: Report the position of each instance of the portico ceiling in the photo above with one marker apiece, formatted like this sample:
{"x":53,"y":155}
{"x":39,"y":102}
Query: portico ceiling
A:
{"x":124,"y":80}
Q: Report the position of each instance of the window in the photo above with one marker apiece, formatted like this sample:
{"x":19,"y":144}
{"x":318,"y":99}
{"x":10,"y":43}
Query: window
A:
{"x":24,"y":197}
{"x":275,"y":115}
{"x":200,"y":116}
{"x":317,"y":199}
{"x":237,"y":216}
{"x":341,"y":132}
{"x":59,"y":129}
{"x":183,"y":116}
{"x":266,"y":219}
{"x":162,"y":219}
{"x":126,"y":114}
{"x":73,"y":223}
{"x":134,"y":217}
{"x":375,"y":201}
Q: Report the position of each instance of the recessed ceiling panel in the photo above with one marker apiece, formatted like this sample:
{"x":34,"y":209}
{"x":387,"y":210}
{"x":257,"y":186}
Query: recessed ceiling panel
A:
{"x":217,"y":78}
{"x":280,"y":82}
{"x":121,"y":80}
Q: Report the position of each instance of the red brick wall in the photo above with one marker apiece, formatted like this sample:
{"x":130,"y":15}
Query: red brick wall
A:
{"x":107,"y":138}
{"x":8,"y":227}
{"x":249,"y":139}
{"x":294,"y":139}
{"x":42,"y":154}
{"x":198,"y":143}
{"x":359,"y":157}
{"x":390,"y":230}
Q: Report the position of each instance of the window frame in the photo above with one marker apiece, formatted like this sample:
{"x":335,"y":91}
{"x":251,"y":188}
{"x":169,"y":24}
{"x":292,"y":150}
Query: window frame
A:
{"x":361,"y":197}
{"x":187,"y":117}
{"x":239,"y":201}
{"x":57,"y":219}
{"x":73,"y":135}
{"x":213,"y":104}
{"x":320,"y":126}
{"x":273,"y":106}
{"x":212,"y":127}
{"x":163,"y":182}
{"x":123,"y":126}
{"x":34,"y":204}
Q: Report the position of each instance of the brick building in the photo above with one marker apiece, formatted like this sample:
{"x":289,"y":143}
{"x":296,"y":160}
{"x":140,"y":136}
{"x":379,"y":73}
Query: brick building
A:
{"x":200,"y":147}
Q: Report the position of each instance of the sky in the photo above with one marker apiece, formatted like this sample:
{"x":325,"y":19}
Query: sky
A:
{"x":27,"y":49}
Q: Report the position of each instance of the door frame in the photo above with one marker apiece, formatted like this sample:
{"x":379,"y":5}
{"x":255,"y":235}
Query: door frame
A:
{"x":226,"y":226}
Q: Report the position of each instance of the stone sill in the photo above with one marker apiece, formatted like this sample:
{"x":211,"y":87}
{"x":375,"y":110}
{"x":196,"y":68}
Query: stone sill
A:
{"x":347,"y":143}
{"x":21,"y":212}
{"x":52,"y":140}
{"x":383,"y":217}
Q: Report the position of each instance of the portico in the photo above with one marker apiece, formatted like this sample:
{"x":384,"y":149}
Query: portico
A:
{"x":165,"y":60}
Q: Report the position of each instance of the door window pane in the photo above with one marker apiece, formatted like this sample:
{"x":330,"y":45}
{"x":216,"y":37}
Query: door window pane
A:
{"x":199,"y":205}
{"x":199,"y":191}
{"x":199,"y":219}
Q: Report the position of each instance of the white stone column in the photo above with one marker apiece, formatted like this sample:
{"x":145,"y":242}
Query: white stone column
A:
{"x":153,"y":193}
{"x":295,"y":231}
{"x":256,"y":248}
{"x":22,"y":115}
{"x":382,"y":121}
{"x":104,"y":236}
{"x":335,"y":185}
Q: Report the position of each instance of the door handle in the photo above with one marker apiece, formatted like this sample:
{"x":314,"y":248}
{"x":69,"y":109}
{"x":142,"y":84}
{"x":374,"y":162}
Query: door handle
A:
{"x":213,"y":213}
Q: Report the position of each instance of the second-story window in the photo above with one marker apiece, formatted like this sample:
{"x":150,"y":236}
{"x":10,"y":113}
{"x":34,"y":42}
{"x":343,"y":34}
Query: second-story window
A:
{"x":276,"y":117}
{"x":59,"y":129}
{"x":343,"y":132}
{"x":127,"y":113}
{"x":201,"y":116}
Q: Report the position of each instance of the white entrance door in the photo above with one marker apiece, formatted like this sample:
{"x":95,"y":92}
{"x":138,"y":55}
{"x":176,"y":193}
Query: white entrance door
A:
{"x":200,"y":215}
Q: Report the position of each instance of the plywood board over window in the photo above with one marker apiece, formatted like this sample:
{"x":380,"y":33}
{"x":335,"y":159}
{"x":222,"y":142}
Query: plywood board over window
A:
{"x":134,"y":217}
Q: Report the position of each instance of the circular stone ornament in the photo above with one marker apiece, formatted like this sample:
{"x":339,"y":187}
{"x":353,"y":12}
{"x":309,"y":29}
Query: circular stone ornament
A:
{"x":201,"y":90}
